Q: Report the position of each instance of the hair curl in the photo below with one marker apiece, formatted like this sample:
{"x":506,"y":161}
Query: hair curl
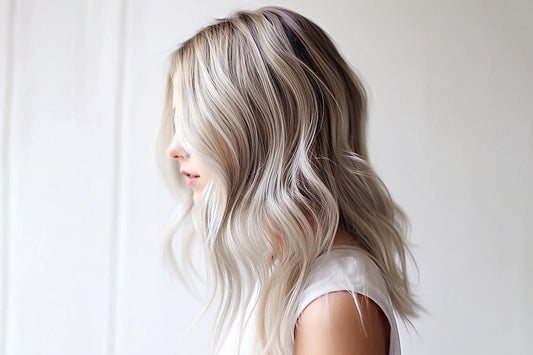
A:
{"x":265,"y":98}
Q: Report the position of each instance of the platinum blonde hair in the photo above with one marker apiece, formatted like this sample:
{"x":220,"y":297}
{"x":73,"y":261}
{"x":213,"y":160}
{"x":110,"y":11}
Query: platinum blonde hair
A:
{"x":267,"y":101}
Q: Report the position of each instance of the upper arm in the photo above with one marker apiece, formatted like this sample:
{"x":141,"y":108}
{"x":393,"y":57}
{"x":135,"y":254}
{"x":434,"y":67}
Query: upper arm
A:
{"x":331,"y":324}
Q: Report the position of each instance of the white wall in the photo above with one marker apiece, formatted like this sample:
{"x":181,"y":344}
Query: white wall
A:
{"x":83,"y":208}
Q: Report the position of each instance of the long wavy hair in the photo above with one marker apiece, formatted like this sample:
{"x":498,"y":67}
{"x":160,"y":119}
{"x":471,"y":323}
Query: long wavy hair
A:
{"x":266,"y":100}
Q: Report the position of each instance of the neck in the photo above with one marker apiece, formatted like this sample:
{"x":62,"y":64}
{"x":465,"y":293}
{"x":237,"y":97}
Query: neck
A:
{"x":343,"y":237}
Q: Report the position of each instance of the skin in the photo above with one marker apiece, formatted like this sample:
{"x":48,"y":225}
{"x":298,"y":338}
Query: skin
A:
{"x":341,"y":332}
{"x":190,"y":164}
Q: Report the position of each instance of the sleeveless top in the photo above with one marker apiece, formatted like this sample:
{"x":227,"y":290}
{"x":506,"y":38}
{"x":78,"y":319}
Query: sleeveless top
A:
{"x":336,"y":270}
{"x":353,"y":270}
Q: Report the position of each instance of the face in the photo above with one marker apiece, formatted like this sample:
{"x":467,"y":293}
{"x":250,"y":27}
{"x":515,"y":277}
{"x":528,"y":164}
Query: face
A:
{"x":194,"y":169}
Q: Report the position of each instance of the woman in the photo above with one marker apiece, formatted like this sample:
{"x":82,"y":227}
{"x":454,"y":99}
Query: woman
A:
{"x":266,"y":123}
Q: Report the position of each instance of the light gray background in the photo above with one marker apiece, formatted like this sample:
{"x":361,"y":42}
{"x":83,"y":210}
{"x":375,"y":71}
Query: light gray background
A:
{"x":83,"y":208}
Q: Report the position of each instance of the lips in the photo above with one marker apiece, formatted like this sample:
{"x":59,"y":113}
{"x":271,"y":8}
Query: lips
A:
{"x":189,"y":174}
{"x":192,"y":177}
{"x":191,"y":181}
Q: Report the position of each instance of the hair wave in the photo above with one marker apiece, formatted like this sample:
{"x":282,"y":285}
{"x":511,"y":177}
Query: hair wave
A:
{"x":267,"y":101}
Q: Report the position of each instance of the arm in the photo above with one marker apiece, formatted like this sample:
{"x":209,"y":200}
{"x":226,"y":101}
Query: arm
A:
{"x":332,"y":326}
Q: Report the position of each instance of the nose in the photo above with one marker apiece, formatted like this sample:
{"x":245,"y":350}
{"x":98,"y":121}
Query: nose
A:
{"x":174,"y":150}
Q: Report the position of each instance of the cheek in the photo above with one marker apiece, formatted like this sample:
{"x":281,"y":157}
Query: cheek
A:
{"x":204,"y":172}
{"x":205,"y":181}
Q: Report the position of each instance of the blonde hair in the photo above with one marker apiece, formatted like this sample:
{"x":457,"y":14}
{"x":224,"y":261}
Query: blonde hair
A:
{"x":267,"y":101}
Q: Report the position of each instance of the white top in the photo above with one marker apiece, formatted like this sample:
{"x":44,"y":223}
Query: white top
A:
{"x":336,"y":270}
{"x":348,"y":269}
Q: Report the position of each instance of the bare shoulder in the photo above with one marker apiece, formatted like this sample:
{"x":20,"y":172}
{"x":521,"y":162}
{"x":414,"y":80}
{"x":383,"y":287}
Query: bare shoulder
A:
{"x":331,"y":324}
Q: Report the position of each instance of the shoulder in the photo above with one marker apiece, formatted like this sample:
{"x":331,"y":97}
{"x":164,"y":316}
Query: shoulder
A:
{"x":343,"y":270}
{"x":333,"y":324}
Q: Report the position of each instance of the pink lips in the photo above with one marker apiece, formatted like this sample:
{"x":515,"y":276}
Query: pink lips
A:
{"x":192,"y":177}
{"x":191,"y":181}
